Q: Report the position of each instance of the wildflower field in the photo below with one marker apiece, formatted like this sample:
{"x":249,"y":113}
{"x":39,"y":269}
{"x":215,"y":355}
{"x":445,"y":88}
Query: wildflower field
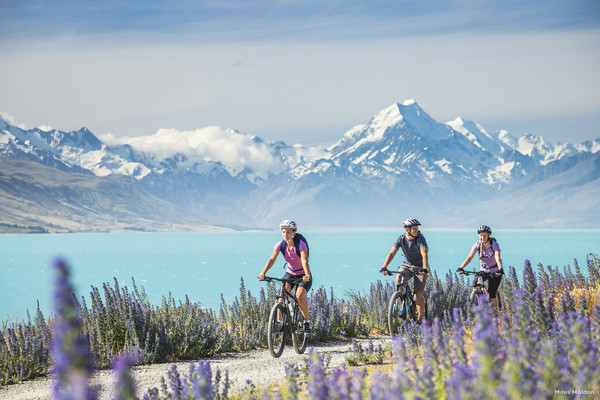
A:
{"x":545,"y":343}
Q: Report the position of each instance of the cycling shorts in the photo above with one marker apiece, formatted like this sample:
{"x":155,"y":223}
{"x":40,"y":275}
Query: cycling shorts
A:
{"x":305,"y":285}
{"x":420,"y":279}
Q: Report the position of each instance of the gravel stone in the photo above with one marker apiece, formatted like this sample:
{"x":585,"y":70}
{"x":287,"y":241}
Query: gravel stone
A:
{"x":255,"y":365}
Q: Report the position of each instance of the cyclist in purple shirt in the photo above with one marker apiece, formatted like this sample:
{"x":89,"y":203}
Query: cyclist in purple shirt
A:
{"x":297,"y":266}
{"x":489,"y":255}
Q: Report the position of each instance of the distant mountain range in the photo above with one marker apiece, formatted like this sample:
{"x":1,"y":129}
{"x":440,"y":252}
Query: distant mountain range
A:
{"x":401,"y":163}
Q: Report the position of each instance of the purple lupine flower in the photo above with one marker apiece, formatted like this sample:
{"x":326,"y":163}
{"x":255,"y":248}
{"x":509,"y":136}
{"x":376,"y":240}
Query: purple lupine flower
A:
{"x":292,"y":374}
{"x":337,"y":383}
{"x":487,"y":350}
{"x":317,"y":386}
{"x":73,"y":363}
{"x":380,"y":386}
{"x":124,"y":385}
{"x":175,"y":382}
{"x":200,"y":378}
{"x":357,"y":384}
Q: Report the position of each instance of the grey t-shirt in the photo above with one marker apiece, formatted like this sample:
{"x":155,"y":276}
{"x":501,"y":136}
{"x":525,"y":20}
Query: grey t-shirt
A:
{"x":412,"y":248}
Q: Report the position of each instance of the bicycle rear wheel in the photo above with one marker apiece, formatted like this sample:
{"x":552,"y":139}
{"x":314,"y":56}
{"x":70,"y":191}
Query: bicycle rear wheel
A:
{"x":395,"y":312}
{"x":299,"y":339}
{"x":276,"y":331}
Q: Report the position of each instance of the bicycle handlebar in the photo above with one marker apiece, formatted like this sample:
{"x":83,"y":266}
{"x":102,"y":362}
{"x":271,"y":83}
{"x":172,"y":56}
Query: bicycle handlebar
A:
{"x":483,"y":274}
{"x":425,"y":271}
{"x":291,"y":281}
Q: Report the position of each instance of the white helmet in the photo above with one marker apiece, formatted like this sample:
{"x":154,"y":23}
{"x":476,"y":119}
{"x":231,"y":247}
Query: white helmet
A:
{"x":288,"y":223}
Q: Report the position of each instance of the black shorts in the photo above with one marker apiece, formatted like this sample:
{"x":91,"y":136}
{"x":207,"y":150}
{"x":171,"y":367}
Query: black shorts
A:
{"x":492,"y":285}
{"x":305,"y":285}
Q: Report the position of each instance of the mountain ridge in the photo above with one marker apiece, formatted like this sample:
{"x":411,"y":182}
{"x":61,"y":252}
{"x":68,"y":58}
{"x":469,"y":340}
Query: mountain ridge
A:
{"x":401,"y":162}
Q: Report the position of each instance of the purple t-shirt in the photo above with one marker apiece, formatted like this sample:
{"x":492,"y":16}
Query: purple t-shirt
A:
{"x":488,"y":257}
{"x":294,"y":262}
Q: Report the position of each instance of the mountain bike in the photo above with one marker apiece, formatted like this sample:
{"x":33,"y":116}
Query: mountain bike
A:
{"x":403,"y":304}
{"x":285,"y":319}
{"x":479,"y":287}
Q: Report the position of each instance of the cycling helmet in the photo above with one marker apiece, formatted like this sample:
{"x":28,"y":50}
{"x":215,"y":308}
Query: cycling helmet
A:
{"x":288,"y":223}
{"x":484,"y":228}
{"x":411,"y":222}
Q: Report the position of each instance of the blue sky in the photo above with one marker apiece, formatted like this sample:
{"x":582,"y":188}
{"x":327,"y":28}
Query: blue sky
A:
{"x":300,"y":71}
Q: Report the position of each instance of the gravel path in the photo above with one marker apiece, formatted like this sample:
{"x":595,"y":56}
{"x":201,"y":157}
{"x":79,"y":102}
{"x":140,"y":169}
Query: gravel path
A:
{"x":256,"y":365}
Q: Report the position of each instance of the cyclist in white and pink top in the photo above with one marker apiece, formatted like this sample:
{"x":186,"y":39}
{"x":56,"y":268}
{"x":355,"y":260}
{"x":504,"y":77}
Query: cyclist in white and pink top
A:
{"x":295,"y":252}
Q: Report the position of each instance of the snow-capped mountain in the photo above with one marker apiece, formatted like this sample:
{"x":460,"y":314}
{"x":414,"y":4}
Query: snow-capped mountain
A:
{"x":400,"y":162}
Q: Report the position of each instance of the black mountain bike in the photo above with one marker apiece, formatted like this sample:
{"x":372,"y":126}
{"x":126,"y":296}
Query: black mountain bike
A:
{"x":479,"y":287}
{"x":285,"y":319}
{"x":403,"y":304}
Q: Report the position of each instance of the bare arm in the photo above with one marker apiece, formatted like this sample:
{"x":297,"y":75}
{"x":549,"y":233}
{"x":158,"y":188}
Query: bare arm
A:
{"x":498,"y":260}
{"x":425,"y":257}
{"x":304,"y":258}
{"x":269,"y":264}
{"x":468,"y":260}
{"x":389,"y":259}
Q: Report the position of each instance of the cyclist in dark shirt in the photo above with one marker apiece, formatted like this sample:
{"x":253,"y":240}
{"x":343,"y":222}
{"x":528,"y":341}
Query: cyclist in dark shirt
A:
{"x":414,"y":247}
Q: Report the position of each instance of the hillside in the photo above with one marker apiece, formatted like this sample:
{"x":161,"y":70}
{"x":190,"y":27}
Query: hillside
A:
{"x":37,"y":198}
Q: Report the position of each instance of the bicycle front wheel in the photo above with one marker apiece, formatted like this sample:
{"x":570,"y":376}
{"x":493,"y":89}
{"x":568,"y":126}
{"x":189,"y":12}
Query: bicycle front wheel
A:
{"x":395,"y":312}
{"x":474,"y":297}
{"x":276,"y":330}
{"x":411,"y":306}
{"x":299,"y":337}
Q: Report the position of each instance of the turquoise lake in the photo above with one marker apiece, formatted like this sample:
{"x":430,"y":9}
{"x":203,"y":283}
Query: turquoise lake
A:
{"x":205,"y":265}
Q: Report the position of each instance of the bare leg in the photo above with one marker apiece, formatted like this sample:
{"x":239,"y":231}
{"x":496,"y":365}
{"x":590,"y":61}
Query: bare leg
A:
{"x":399,"y":283}
{"x":288,"y":287}
{"x":302,"y":302}
{"x":420,"y":305}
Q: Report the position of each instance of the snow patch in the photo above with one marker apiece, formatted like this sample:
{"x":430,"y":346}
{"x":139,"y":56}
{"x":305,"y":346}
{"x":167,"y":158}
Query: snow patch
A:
{"x":444,"y":165}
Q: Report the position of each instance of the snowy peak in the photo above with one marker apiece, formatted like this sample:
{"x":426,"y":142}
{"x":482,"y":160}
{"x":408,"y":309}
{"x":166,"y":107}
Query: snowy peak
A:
{"x":400,"y":121}
{"x":476,"y":134}
{"x":82,"y":138}
{"x":536,"y":147}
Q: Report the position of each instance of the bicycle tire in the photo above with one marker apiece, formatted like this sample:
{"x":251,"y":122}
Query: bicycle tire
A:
{"x":411,"y":306}
{"x":275,"y":339}
{"x":299,"y":339}
{"x":394,"y":315}
{"x":474,"y":297}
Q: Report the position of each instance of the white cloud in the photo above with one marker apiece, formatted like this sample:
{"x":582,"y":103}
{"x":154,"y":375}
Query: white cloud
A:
{"x":234,"y":150}
{"x":12,"y":120}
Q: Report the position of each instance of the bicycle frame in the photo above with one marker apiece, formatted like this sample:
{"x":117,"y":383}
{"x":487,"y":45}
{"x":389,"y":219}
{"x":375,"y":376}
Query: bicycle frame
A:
{"x":479,"y":287}
{"x":403,"y":304}
{"x":285,"y":311}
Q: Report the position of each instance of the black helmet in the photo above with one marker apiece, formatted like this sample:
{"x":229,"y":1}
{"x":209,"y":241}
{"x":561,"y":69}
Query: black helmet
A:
{"x":411,"y":222}
{"x":484,"y":228}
